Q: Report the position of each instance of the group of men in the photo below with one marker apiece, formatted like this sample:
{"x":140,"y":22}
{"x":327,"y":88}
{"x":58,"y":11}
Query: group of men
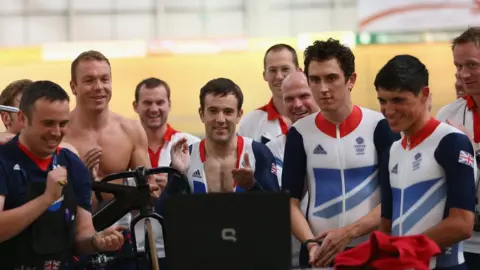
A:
{"x":349,"y":170}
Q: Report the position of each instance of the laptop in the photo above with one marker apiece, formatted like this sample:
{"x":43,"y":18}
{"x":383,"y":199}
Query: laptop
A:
{"x":219,"y":231}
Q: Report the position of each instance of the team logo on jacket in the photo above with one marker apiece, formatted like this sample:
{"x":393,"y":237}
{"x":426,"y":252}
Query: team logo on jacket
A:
{"x":360,"y":146}
{"x":416,"y":161}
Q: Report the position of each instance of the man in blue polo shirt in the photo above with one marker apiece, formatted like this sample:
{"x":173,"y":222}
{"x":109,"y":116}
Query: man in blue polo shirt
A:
{"x":428,"y":177}
{"x":45,"y":191}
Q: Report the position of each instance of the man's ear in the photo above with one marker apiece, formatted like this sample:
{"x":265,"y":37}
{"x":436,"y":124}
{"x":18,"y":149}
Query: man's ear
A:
{"x":134,"y":105}
{"x":425,"y":93}
{"x":200,"y":113}
{"x":351,"y":81}
{"x":22,"y":118}
{"x":6,"y":119}
{"x":73,"y":88}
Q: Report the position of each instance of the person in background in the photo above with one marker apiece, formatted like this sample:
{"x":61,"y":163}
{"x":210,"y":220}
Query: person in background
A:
{"x":464,"y":114}
{"x":11,"y":96}
{"x":152,"y":104}
{"x":299,"y":103}
{"x":270,"y":121}
{"x":428,"y":177}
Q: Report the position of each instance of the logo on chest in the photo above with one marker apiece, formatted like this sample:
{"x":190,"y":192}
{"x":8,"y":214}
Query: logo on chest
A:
{"x":360,"y":146}
{"x":197,"y":174}
{"x":416,"y":161}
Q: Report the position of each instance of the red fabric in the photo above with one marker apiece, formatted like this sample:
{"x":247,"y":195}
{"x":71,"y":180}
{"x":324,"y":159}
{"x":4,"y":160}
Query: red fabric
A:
{"x":383,"y":252}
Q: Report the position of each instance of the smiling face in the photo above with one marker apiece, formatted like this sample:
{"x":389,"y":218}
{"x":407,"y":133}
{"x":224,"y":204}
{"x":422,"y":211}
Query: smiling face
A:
{"x":153,"y":106}
{"x":466,"y":57}
{"x":297,"y":97}
{"x":220,"y":116}
{"x":92,"y":85}
{"x":278,"y":65}
{"x":402,"y":109}
{"x":45,"y":126}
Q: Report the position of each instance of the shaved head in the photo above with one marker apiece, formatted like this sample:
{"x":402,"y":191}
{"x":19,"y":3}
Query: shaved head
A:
{"x":295,"y":79}
{"x":297,"y":96}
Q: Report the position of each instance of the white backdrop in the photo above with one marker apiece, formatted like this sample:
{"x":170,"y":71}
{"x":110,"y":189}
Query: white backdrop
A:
{"x":26,"y":22}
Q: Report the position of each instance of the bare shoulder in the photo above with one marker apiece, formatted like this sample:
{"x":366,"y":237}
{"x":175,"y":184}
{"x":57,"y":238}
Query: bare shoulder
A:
{"x":133,"y":128}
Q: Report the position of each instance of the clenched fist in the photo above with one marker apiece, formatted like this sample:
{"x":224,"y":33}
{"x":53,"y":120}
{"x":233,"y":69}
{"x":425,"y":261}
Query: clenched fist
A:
{"x":56,"y":179}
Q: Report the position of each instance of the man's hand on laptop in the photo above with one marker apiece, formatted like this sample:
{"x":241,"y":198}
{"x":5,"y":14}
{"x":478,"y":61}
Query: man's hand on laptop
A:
{"x":244,"y":176}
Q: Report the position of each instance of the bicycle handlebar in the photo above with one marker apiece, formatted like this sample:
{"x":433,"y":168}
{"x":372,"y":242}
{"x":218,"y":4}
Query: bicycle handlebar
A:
{"x":135,"y":174}
{"x":128,"y":198}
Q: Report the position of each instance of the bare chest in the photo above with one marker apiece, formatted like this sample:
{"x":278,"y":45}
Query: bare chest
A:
{"x":218,"y":173}
{"x":116,"y":147}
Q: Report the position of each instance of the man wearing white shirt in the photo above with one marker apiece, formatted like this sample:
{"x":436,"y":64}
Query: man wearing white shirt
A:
{"x":152,"y":104}
{"x":298,"y":102}
{"x":269,"y":121}
{"x":464,"y":113}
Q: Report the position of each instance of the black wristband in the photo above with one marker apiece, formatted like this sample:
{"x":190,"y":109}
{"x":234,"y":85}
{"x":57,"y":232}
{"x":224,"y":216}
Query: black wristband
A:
{"x":308,"y":241}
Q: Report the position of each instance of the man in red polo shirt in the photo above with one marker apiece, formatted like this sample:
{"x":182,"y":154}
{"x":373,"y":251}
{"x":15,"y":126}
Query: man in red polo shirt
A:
{"x":269,"y":121}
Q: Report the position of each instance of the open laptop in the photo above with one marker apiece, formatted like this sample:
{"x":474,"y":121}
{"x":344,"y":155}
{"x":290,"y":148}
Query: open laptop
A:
{"x":228,"y":231}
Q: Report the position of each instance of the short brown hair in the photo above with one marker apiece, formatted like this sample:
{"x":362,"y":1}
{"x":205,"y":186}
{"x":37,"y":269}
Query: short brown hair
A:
{"x":472,"y":34}
{"x":150,"y":83}
{"x":13,"y":90}
{"x":86,"y":56}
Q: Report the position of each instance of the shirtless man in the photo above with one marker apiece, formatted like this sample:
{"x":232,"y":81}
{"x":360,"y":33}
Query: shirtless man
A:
{"x":224,"y":162}
{"x":107,"y":142}
{"x":11,"y":96}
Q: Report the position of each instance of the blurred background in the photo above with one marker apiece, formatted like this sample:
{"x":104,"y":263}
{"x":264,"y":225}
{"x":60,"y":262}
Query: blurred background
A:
{"x":188,"y":42}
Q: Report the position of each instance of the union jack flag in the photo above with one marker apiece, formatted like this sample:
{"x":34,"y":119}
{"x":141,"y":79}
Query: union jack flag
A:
{"x":274,"y":169}
{"x":466,"y":158}
{"x":52,"y":265}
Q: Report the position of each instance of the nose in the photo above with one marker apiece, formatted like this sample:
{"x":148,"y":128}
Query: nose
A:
{"x":463,"y":73}
{"x":98,"y":85}
{"x":56,"y":131}
{"x":297,"y":103}
{"x":388,"y":110}
{"x":323,"y":87}
{"x":220,"y":117}
{"x":279,"y":75}
{"x":153,"y":108}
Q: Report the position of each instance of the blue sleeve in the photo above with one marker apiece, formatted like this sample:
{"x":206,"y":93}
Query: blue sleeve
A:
{"x":455,"y":154}
{"x":265,"y":168}
{"x":80,"y":177}
{"x":385,"y":188}
{"x":294,"y":165}
{"x":383,"y":137}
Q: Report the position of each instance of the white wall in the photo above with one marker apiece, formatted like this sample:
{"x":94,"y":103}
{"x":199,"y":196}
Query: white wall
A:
{"x":25,"y":22}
